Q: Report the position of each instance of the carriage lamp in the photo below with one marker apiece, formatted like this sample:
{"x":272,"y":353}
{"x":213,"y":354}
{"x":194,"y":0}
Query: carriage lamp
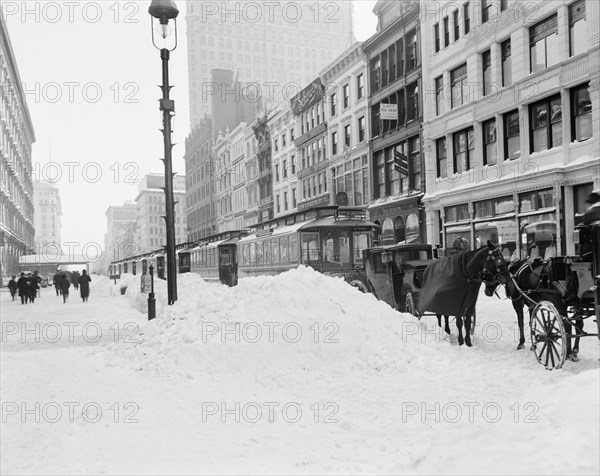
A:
{"x":164,"y":38}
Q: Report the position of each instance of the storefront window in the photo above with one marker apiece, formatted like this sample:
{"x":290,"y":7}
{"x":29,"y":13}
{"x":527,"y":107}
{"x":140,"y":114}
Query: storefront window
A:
{"x":502,"y":232}
{"x":387,"y":233}
{"x":494,"y":207}
{"x":458,"y":238}
{"x":413,"y":230}
{"x":538,"y":236}
{"x":457,"y":213}
{"x":537,"y":200}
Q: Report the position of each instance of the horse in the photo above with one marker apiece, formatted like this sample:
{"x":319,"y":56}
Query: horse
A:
{"x":531,"y":283}
{"x":451,"y":285}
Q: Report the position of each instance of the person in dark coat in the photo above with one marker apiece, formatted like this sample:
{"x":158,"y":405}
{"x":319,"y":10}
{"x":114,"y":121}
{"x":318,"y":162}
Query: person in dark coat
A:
{"x":75,"y":279}
{"x":12,"y":287}
{"x":35,"y":282}
{"x":84,"y":285}
{"x":64,"y":286}
{"x":56,"y":282}
{"x":23,"y":286}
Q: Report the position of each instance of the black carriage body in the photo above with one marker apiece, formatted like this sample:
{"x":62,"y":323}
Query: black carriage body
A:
{"x":394,"y":273}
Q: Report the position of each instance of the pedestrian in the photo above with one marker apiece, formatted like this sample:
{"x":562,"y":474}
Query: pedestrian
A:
{"x":592,"y":213}
{"x":12,"y":287}
{"x":64,"y":286}
{"x":84,"y":285}
{"x":56,"y":282}
{"x":23,"y":286}
{"x":35,"y":282}
{"x":75,"y":279}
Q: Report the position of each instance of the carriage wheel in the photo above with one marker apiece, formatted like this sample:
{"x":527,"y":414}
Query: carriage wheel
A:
{"x":548,"y":338}
{"x":411,"y":307}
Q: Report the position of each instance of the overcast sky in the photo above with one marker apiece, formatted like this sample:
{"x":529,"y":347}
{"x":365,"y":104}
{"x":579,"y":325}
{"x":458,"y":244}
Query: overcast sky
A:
{"x":90,"y":72}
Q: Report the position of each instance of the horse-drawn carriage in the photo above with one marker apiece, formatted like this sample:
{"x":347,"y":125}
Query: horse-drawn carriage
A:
{"x":561,"y":293}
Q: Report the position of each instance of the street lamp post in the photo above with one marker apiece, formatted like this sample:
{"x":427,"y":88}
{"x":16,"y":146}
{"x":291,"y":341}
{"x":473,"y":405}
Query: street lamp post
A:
{"x":163,"y":11}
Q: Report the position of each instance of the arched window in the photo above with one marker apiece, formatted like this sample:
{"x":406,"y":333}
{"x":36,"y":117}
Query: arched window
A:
{"x":387,"y":232}
{"x":399,"y":229}
{"x":413,"y":230}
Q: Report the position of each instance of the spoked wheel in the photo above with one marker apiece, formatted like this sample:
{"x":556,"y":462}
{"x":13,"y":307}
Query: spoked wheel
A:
{"x":411,"y":307}
{"x":548,"y":337}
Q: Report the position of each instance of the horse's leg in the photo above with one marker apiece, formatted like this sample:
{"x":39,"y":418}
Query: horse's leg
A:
{"x":468,"y":330}
{"x":459,"y":324}
{"x":518,"y":307}
{"x":568,"y":329}
{"x":578,"y":323}
{"x":446,"y":324}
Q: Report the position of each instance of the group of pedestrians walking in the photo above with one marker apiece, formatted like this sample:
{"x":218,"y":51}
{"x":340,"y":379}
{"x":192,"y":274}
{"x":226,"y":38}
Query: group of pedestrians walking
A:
{"x":62,"y":283}
{"x":27,"y":286}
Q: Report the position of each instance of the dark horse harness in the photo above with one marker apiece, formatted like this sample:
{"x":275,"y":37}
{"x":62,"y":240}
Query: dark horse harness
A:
{"x":541,"y":271}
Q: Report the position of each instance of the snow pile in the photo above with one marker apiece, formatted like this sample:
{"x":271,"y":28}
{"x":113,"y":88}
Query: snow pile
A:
{"x":303,"y":317}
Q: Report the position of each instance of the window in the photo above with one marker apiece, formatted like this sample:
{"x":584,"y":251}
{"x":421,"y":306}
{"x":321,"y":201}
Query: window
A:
{"x":361,"y":128}
{"x":543,"y":44}
{"x":412,"y":102}
{"x":577,"y":28}
{"x":486,"y":10}
{"x":411,"y":50}
{"x":292,"y":134}
{"x":490,"y":155}
{"x":545,"y":118}
{"x":278,"y":204}
{"x":347,"y":135}
{"x":276,"y":173}
{"x":464,"y":145}
{"x":581,"y":113}
{"x":442,"y":167}
{"x":334,"y":144}
{"x":466,"y":18}
{"x":446,"y":32}
{"x":458,"y":79}
{"x":294,"y":203}
{"x":503,"y":5}
{"x":285,"y":201}
{"x":456,"y":24}
{"x":439,"y":94}
{"x":360,"y":86}
{"x":283,"y":140}
{"x":346,"y":90}
{"x":506,"y":63}
{"x":293,"y":162}
{"x":486,"y":58}
{"x":333,"y":98}
{"x":400,"y":56}
{"x":276,"y":145}
{"x":284,"y":168}
{"x":436,"y":36}
{"x":375,"y":73}
{"x":414,"y":152}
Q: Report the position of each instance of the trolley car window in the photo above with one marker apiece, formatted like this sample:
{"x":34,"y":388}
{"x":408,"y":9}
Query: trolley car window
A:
{"x":252,"y":253}
{"x":224,"y":258}
{"x":360,"y":243}
{"x":283,"y":244}
{"x":293,"y":248}
{"x":267,"y":251}
{"x":259,"y":252}
{"x":275,"y":244}
{"x":379,"y":264}
{"x":310,"y":247}
{"x":344,"y":248}
{"x":328,"y":252}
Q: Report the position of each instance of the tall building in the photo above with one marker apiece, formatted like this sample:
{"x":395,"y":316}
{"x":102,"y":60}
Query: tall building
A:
{"x":271,"y":43}
{"x":150,"y":209}
{"x":48,"y":210}
{"x":394,"y":57}
{"x":17,"y":232}
{"x":119,"y":240}
{"x":512,"y":118}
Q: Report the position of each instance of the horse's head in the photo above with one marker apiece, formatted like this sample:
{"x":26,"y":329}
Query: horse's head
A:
{"x":495,"y":269}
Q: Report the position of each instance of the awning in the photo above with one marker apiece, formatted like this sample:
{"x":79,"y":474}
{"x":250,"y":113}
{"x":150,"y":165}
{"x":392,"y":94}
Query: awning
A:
{"x":331,"y":222}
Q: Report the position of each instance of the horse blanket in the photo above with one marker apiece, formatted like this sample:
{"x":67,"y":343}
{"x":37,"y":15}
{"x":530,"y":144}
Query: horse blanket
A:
{"x":446,"y":287}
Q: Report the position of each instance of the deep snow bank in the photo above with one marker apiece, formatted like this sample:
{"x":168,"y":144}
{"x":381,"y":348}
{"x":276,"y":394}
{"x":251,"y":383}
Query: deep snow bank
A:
{"x":297,"y":318}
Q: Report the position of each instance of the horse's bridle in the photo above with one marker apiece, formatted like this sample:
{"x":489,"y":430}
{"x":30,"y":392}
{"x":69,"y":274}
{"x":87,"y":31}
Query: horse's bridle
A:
{"x":498,"y":260}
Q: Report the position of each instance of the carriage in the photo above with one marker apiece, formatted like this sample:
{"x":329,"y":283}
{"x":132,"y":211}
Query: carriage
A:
{"x":573,"y":290}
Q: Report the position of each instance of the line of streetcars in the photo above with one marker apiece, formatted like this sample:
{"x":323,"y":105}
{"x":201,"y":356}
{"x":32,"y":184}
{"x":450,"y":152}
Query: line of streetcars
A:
{"x":329,"y":239}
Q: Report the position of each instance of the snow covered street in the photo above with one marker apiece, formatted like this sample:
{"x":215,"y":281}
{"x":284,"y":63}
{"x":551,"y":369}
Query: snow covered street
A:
{"x":294,"y":374}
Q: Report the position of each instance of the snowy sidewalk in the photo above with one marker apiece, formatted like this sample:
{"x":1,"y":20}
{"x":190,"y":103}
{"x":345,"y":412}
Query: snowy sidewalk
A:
{"x":386,"y":396}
